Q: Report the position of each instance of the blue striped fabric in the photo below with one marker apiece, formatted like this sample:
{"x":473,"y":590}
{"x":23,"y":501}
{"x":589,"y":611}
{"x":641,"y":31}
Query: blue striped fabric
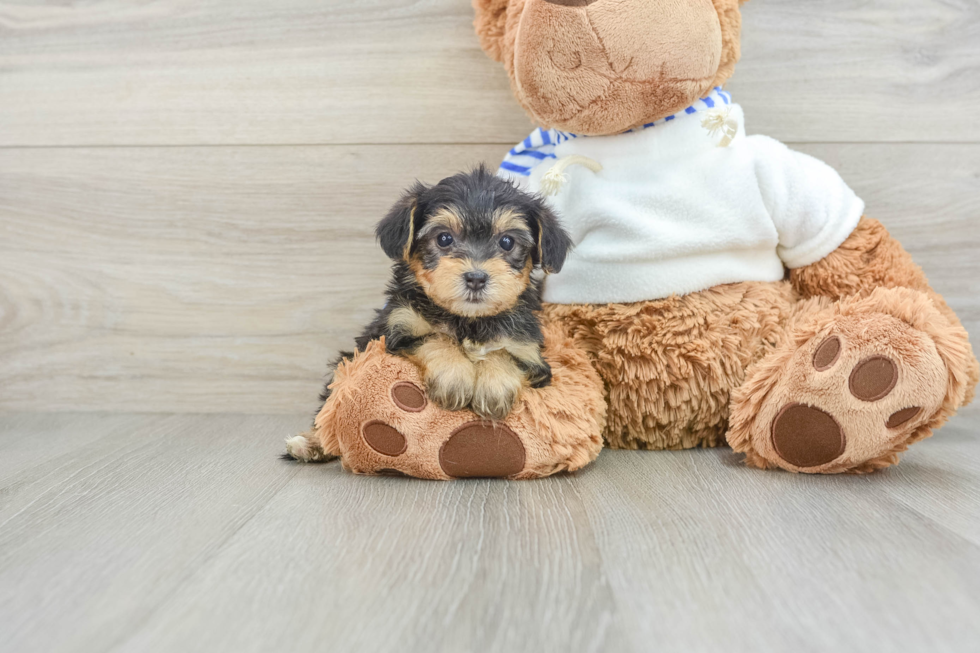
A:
{"x":540,"y":145}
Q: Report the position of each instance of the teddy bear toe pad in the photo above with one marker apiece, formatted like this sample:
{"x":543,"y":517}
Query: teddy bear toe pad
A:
{"x":384,"y":439}
{"x":408,"y":396}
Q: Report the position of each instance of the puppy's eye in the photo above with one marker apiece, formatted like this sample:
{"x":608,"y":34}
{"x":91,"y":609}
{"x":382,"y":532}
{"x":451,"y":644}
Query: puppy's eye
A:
{"x":506,"y":243}
{"x":445,"y":239}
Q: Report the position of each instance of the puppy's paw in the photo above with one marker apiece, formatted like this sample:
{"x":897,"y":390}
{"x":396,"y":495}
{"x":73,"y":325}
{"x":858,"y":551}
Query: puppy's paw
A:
{"x":451,"y":387}
{"x":497,"y":386}
{"x":539,"y":376}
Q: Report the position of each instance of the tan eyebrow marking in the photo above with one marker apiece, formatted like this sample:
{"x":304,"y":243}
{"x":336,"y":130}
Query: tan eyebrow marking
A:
{"x":509,"y":220}
{"x":445,"y":218}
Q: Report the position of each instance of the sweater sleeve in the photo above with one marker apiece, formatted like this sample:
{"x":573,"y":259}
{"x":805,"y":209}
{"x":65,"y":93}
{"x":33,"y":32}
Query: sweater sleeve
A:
{"x":812,"y":208}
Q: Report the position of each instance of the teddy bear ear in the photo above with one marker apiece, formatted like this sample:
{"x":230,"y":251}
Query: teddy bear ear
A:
{"x":490,"y":21}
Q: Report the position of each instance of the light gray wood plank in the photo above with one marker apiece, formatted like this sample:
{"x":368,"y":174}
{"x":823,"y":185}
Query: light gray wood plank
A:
{"x":196,"y":538}
{"x":315,"y":71}
{"x":93,"y":542}
{"x":247,"y":71}
{"x":240,"y":270}
{"x":223,"y":279}
{"x":52,"y":440}
{"x":714,"y":556}
{"x":939,"y":482}
{"x":373,"y":564}
{"x":870,"y":71}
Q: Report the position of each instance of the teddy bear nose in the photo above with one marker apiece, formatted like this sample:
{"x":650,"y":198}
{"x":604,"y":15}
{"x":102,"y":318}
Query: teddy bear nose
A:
{"x":571,"y":3}
{"x":476,"y":279}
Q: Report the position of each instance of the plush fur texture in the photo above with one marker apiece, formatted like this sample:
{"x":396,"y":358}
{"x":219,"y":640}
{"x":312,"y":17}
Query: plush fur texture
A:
{"x":559,"y":427}
{"x":670,"y":365}
{"x":870,"y":258}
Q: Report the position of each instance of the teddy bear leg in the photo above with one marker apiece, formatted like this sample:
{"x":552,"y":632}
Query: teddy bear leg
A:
{"x":855,"y":383}
{"x":670,"y":365}
{"x":380,"y":419}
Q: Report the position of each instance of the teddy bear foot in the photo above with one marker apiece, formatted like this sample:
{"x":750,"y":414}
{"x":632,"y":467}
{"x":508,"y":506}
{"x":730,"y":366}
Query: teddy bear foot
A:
{"x":849,"y":393}
{"x":380,"y":420}
{"x":402,"y":432}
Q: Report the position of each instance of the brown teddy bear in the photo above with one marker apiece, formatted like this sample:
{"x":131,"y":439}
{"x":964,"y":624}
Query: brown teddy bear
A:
{"x":683,"y":227}
{"x":677,"y":290}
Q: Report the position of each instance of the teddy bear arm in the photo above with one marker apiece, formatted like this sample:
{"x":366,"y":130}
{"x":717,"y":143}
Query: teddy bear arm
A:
{"x":869,"y":258}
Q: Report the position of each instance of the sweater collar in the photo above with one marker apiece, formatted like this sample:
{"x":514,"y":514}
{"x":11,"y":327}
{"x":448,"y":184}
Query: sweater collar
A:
{"x":540,"y":144}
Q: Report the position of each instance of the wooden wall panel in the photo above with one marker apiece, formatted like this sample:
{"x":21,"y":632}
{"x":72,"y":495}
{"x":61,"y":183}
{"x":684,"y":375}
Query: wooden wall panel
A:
{"x":399,"y":71}
{"x":222,"y":279}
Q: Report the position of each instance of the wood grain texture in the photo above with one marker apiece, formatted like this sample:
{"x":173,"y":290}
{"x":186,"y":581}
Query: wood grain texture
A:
{"x":94,"y":539}
{"x":399,"y":71}
{"x":185,"y":533}
{"x":224,"y":279}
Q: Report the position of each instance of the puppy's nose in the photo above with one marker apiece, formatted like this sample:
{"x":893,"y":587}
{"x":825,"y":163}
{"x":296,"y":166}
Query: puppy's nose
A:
{"x":476,"y":279}
{"x":571,"y":3}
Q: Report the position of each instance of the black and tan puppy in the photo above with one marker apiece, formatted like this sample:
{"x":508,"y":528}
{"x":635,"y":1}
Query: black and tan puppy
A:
{"x":462,"y":298}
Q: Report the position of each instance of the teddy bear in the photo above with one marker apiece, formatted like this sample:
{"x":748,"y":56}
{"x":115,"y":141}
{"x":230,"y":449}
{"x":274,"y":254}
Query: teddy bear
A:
{"x":722,"y":288}
{"x":725,"y":287}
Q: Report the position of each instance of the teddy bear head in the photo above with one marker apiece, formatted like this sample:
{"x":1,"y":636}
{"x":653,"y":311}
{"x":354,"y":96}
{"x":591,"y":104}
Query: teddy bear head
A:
{"x":604,"y":66}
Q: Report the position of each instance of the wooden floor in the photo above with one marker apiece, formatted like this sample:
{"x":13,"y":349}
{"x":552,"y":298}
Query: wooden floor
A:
{"x":186,"y":533}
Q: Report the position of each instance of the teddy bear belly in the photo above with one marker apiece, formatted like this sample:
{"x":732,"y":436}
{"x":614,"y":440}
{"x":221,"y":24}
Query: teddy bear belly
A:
{"x":669,"y":365}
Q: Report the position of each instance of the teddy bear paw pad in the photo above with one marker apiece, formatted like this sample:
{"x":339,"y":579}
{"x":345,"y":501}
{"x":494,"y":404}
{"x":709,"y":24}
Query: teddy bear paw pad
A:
{"x":384,"y":438}
{"x":482,"y":450}
{"x":408,"y":396}
{"x":805,"y":436}
{"x":873,"y":378}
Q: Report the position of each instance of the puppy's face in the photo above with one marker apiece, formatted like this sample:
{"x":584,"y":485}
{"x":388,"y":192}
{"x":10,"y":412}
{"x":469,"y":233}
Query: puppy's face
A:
{"x":472,"y":240}
{"x":473,"y":263}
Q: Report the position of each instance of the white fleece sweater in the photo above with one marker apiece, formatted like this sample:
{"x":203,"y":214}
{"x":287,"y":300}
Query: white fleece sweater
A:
{"x":672,"y":212}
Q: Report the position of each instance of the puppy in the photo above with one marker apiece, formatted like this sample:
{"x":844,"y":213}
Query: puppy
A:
{"x":462,"y":297}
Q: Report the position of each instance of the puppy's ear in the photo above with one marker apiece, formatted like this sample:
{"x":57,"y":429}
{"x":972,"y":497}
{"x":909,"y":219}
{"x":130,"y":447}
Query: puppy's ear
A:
{"x":396,"y":232}
{"x":553,"y":241}
{"x":490,"y":22}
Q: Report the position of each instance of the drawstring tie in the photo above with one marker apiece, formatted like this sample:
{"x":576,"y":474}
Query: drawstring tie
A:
{"x":720,"y":121}
{"x":555,"y":178}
